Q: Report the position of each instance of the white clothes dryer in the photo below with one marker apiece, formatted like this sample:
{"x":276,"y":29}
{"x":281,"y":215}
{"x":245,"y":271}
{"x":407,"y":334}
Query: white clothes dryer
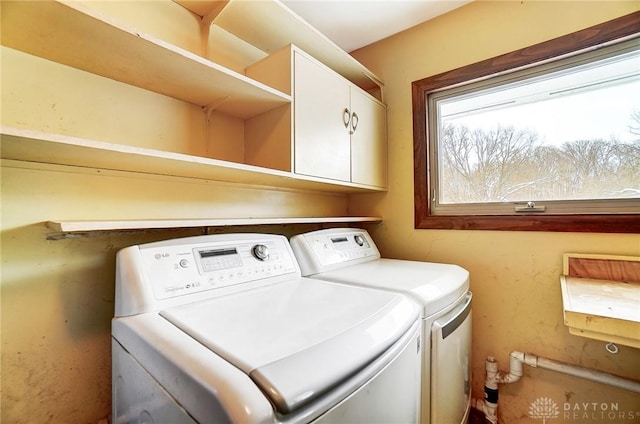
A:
{"x":223,"y":329}
{"x":349,"y":256}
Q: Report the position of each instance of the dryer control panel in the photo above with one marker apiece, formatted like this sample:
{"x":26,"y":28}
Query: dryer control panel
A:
{"x":163,"y":271}
{"x":324,"y":250}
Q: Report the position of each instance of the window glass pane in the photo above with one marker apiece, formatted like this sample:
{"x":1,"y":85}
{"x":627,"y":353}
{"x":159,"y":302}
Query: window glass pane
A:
{"x":565,"y":135}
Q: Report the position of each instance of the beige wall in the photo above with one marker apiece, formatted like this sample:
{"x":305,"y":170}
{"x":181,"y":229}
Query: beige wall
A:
{"x":514,"y":275}
{"x":57,"y":296}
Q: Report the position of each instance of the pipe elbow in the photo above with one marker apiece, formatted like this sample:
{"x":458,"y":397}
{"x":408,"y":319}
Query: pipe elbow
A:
{"x":525,"y":358}
{"x":506,"y":378}
{"x":515,"y":363}
{"x":515,"y":355}
{"x":515,"y":369}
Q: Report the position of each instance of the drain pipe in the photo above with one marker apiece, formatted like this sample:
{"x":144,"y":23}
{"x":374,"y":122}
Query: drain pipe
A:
{"x":489,"y":405}
{"x":577,"y":371}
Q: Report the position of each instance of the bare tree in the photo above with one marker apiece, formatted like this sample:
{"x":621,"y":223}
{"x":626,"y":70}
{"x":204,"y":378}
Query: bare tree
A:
{"x":507,"y":165}
{"x":481,"y":165}
{"x":600,"y":168}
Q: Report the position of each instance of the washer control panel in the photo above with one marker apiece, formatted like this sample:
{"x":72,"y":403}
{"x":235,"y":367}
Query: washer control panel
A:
{"x":322,"y":250}
{"x":178,"y":269}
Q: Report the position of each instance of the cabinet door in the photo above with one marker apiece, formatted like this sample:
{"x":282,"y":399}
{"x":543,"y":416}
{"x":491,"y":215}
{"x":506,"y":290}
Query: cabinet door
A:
{"x":321,"y":141}
{"x":369,"y":141}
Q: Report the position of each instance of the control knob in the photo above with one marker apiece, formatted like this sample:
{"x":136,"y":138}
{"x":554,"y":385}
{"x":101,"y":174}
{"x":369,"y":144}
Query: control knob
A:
{"x":260,"y":252}
{"x":359,"y":240}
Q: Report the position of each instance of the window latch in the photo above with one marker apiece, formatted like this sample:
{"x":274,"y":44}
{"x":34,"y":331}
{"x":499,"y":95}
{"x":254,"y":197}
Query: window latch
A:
{"x":529,"y":207}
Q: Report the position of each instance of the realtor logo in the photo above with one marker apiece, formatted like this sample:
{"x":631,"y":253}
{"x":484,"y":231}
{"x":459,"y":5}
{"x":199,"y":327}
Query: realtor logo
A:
{"x":544,"y":408}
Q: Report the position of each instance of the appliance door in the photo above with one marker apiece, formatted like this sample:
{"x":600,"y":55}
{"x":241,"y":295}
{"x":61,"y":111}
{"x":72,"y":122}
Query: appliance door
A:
{"x":392,"y":395}
{"x":451,"y":365}
{"x":298,"y":339}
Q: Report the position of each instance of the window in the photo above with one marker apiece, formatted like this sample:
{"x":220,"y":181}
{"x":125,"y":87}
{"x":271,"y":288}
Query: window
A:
{"x":531,"y":140}
{"x":546,"y":138}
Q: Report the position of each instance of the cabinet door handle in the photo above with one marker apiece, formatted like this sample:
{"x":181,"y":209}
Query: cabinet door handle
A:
{"x":346,"y":117}
{"x":354,"y":122}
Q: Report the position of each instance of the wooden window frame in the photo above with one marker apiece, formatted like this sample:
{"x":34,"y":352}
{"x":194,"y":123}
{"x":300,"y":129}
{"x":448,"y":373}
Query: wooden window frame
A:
{"x":589,"y":38}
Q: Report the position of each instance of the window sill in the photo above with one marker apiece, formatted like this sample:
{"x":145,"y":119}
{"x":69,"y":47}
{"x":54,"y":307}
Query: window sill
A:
{"x":627,"y":223}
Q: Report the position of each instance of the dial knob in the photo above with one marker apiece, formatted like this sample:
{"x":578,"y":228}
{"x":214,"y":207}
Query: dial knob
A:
{"x":260,"y":252}
{"x":359,"y":239}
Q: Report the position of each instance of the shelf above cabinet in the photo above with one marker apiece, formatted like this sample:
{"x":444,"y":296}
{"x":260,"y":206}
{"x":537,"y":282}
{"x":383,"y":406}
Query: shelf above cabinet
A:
{"x":270,"y":25}
{"x":76,"y":36}
{"x":127,"y":225}
{"x":33,"y":146}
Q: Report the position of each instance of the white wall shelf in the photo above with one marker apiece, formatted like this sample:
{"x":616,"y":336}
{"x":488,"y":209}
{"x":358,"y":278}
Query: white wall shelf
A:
{"x":601,"y":297}
{"x":270,"y":25}
{"x":74,"y":229}
{"x":74,"y":35}
{"x":37,"y":147}
{"x":602,"y":309}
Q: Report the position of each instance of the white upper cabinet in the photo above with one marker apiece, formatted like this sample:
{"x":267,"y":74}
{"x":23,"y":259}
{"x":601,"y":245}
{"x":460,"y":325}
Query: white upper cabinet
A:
{"x":322,"y":115}
{"x":368,"y":141}
{"x":340,"y":130}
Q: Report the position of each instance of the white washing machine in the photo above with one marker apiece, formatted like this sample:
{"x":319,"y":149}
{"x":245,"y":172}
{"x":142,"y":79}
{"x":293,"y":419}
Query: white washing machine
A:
{"x":350,"y":256}
{"x":223,"y":329}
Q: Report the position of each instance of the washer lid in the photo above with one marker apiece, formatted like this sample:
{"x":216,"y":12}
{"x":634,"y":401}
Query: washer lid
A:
{"x":299,"y":338}
{"x":434,"y":286}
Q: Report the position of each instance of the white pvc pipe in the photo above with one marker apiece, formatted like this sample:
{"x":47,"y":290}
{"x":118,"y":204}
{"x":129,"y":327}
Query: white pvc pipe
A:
{"x":577,"y":371}
{"x":489,"y":405}
{"x":515,"y":369}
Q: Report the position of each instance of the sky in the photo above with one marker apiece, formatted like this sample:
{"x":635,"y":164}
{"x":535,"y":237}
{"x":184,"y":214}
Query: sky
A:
{"x":595,"y":101}
{"x":590,"y":115}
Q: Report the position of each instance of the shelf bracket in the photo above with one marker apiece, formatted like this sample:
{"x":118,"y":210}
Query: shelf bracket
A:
{"x":214,"y":105}
{"x":212,"y":14}
{"x":208,"y":109}
{"x":207,"y":21}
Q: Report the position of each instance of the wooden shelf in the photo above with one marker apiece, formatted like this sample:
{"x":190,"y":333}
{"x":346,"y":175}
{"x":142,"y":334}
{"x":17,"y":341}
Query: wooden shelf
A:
{"x":34,"y":146}
{"x":122,"y":225}
{"x":602,"y":309}
{"x":74,"y":35}
{"x":597,"y":306}
{"x":270,"y":25}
